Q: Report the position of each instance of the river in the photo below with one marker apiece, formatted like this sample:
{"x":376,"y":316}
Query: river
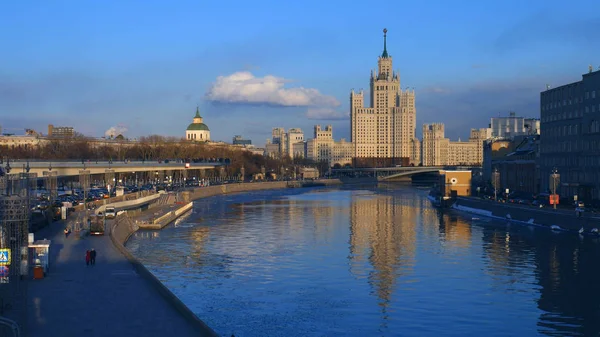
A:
{"x":371,"y":261}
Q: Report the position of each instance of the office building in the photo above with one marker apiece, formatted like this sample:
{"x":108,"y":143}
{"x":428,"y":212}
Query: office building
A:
{"x":570,"y":137}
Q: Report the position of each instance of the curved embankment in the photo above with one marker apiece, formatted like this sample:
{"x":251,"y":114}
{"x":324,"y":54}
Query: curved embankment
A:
{"x":545,"y":217}
{"x":123,"y":227}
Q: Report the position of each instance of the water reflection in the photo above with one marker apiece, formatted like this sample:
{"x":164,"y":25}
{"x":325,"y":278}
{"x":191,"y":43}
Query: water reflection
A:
{"x":376,"y":261}
{"x":382,"y":231}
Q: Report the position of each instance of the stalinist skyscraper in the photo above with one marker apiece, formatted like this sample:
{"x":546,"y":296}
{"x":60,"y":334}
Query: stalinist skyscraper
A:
{"x":386,"y":129}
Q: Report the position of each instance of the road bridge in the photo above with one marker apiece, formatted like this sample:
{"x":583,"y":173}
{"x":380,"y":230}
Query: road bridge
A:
{"x":72,"y":168}
{"x":390,"y":173}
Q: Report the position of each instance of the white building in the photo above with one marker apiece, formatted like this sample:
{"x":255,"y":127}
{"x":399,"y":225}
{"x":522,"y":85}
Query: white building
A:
{"x":197,"y":131}
{"x":512,"y":125}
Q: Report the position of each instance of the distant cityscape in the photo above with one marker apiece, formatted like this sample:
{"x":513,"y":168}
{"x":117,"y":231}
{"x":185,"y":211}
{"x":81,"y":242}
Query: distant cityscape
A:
{"x":384,"y":134}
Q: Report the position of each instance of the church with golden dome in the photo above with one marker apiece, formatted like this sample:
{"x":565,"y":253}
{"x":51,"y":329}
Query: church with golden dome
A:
{"x":197,"y":131}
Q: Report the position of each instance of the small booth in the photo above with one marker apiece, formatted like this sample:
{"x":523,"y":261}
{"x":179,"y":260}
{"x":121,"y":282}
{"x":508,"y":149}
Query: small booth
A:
{"x":40,"y":252}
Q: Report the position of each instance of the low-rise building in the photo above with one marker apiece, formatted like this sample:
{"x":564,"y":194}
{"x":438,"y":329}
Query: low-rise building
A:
{"x":516,"y":163}
{"x":455,"y":183}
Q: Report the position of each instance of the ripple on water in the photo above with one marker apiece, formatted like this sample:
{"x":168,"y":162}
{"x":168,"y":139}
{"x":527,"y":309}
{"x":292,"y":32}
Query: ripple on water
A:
{"x":370,"y":262}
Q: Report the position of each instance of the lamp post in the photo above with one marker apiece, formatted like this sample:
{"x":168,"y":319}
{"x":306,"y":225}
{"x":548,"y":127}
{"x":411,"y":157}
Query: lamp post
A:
{"x":496,"y":182}
{"x":554,"y":181}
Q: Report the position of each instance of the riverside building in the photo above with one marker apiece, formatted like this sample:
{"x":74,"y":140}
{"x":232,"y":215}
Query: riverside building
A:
{"x":570,"y":137}
{"x":386,"y":128}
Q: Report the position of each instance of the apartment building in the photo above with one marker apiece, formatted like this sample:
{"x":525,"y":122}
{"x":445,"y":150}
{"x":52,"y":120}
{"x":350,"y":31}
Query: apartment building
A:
{"x":282,"y":143}
{"x":323,"y":147}
{"x":386,"y":128}
{"x":437,"y":150}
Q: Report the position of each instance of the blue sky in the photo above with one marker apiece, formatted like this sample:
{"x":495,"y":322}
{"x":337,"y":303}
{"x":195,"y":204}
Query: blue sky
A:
{"x":145,"y":65}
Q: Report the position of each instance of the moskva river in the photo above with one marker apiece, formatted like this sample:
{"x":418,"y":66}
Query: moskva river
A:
{"x":371,"y":261}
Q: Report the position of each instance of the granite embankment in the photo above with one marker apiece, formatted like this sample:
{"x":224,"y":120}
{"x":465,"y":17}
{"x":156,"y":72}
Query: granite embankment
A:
{"x":124,"y":226}
{"x":524,"y":214}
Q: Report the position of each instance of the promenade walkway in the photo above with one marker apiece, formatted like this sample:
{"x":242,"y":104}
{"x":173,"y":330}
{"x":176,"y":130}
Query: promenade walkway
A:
{"x":108,"y":299}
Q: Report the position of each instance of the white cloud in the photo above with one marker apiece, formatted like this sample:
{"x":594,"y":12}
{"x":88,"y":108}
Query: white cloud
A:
{"x":114,"y":131}
{"x":243,"y":87}
{"x":325,"y":114}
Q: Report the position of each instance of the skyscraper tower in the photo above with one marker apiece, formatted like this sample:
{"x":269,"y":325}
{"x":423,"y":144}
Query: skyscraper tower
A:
{"x":386,"y":128}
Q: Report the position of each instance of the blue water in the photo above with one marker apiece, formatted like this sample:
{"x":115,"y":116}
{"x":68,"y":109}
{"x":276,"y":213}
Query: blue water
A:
{"x":373,"y":261}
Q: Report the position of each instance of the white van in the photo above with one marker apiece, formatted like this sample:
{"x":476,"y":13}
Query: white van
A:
{"x":109,"y":212}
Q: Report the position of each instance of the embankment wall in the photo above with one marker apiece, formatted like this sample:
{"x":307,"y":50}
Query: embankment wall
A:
{"x":123,"y":227}
{"x":546,"y":217}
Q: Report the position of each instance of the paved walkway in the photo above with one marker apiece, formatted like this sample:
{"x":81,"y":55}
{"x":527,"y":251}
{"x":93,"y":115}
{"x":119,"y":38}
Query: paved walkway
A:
{"x":156,"y":212}
{"x":108,"y":299}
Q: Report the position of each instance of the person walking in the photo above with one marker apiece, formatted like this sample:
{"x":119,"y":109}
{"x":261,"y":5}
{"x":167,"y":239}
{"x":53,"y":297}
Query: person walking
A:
{"x":93,"y":257}
{"x":88,"y":257}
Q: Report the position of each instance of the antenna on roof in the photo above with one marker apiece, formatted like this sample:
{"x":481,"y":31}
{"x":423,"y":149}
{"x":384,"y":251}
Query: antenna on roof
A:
{"x":547,"y":86}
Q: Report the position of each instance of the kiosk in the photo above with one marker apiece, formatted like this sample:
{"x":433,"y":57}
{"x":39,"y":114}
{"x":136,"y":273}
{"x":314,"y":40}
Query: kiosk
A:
{"x":40,"y":251}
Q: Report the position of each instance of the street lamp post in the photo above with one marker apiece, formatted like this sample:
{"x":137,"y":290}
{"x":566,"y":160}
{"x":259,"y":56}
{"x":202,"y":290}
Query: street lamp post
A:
{"x":496,"y":182}
{"x":554,"y":181}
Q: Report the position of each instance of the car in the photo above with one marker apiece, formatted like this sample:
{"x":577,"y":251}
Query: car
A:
{"x":110,"y":212}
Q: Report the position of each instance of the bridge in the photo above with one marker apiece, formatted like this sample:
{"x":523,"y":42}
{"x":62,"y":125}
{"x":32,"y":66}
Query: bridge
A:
{"x":390,"y":173}
{"x":73,"y":168}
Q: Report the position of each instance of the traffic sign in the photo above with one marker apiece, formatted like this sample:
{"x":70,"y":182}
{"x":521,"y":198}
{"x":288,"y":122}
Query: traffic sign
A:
{"x":3,"y":271}
{"x":4,"y":256}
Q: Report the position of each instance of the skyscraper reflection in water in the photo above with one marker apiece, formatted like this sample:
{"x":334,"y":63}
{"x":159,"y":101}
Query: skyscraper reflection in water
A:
{"x":372,"y":261}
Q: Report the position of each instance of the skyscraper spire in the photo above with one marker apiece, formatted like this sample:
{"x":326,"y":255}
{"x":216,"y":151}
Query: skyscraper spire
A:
{"x":385,"y":53}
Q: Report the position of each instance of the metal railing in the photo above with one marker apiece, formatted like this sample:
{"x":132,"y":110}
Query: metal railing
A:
{"x":12,"y":325}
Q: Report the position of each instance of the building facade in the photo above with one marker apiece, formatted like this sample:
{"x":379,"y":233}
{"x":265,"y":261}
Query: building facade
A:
{"x":60,"y":131}
{"x":512,"y":125}
{"x":435,"y":145}
{"x":322,"y":147}
{"x":239,"y":140}
{"x":386,"y":128}
{"x":282,"y":143}
{"x":570,"y":137}
{"x":437,"y":150}
{"x":197,"y":131}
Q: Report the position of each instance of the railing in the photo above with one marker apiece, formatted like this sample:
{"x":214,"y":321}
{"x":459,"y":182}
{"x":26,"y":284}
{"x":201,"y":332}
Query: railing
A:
{"x":12,"y":325}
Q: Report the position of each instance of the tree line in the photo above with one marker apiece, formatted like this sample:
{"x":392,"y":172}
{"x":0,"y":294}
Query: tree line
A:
{"x":151,"y":148}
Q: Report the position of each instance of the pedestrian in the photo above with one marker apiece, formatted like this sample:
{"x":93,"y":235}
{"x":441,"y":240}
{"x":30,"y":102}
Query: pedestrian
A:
{"x":93,"y":257}
{"x":66,"y":232}
{"x":88,"y":257}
